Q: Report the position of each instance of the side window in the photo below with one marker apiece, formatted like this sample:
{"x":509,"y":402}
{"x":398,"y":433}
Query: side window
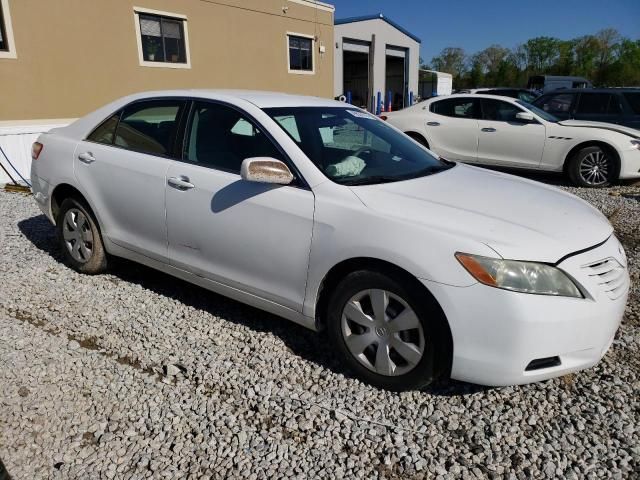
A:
{"x":526,"y":96}
{"x":615,"y":105}
{"x":106,"y":131}
{"x":221,"y":137}
{"x":455,"y":107}
{"x":597,"y":103}
{"x":149,"y":126}
{"x":633,"y":98}
{"x":560,"y":103}
{"x":498,"y":110}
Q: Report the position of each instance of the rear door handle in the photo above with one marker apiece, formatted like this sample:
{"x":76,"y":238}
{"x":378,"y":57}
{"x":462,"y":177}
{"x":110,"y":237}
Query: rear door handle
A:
{"x":433,"y":124}
{"x":489,"y":130}
{"x":86,"y":157}
{"x":180,"y":183}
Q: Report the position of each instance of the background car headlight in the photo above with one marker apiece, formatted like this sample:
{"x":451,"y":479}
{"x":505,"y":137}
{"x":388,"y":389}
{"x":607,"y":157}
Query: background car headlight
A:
{"x":526,"y":277}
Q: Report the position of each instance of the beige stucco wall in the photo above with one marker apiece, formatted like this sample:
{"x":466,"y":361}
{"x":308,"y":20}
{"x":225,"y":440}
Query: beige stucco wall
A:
{"x":75,"y":55}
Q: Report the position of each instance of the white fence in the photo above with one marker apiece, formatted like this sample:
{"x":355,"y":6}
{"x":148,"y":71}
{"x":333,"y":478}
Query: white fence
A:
{"x":16,"y":139}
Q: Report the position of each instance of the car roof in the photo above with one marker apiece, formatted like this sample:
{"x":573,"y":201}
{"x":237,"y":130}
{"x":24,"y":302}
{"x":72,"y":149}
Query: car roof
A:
{"x":593,"y":90}
{"x":261,"y":99}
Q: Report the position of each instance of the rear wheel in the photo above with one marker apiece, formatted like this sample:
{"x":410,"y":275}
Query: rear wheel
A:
{"x":592,"y":167}
{"x":80,"y":238}
{"x":384,"y":330}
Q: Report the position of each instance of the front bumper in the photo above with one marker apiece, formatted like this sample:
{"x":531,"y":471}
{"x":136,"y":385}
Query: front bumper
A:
{"x":497,"y":333}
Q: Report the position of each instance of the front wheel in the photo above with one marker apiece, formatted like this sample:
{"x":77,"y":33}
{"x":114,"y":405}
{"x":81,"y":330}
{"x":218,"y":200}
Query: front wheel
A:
{"x":592,"y":167}
{"x":385,"y":331}
{"x":80,"y":238}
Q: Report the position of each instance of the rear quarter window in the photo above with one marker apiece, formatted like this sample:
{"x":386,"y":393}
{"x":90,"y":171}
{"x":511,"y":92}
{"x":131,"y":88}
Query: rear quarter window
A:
{"x":633,"y":99}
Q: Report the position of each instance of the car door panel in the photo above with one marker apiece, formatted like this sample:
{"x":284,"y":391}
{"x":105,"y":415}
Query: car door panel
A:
{"x":503,"y":140}
{"x":123,"y":164}
{"x":251,"y":236}
{"x":452,"y":137}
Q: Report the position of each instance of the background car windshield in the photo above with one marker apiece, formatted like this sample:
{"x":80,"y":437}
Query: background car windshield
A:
{"x":541,"y":113}
{"x":353,"y":147}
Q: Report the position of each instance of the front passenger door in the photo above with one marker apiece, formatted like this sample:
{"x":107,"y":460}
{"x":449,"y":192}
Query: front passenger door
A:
{"x":505,"y":140}
{"x":250,"y":236}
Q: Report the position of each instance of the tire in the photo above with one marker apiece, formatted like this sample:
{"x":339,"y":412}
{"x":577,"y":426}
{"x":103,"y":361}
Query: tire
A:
{"x":592,"y":167}
{"x":418,"y":138}
{"x":428,"y":337}
{"x":80,"y":238}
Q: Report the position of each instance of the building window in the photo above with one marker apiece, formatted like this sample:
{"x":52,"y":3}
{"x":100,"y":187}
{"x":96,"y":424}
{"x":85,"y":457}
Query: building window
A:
{"x":163,"y":39}
{"x":300,"y":53}
{"x":7,"y":47}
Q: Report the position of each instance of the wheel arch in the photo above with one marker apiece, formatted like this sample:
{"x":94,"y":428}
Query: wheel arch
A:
{"x":63,"y":191}
{"x":594,"y":143}
{"x":418,"y":137}
{"x":345,"y":267}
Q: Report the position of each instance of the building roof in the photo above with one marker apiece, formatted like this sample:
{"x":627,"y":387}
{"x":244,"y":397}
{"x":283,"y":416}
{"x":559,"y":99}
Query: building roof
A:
{"x":378,"y":16}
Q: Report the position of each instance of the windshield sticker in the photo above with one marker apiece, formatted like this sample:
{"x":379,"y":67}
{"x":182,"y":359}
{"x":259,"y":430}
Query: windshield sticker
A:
{"x":358,"y":114}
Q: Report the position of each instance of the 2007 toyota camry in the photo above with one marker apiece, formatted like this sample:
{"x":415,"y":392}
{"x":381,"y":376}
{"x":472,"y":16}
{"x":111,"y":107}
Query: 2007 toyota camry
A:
{"x":321,"y":213}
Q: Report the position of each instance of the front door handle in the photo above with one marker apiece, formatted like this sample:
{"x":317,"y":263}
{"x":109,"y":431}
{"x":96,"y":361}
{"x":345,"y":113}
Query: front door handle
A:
{"x":86,"y":157}
{"x":181,"y":183}
{"x":489,"y":130}
{"x":433,"y":124}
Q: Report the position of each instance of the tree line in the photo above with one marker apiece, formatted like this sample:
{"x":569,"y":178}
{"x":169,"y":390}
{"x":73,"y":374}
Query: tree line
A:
{"x":607,"y":59}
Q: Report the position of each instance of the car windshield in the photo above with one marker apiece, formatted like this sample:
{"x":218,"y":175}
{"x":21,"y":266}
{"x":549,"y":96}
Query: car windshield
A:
{"x":353,"y":147}
{"x":538,"y":111}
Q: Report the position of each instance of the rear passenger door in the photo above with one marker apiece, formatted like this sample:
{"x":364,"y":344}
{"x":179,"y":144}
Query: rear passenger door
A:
{"x":599,"y":107}
{"x":250,"y":236}
{"x":122,"y":167}
{"x":632,"y":110}
{"x":452,"y":128}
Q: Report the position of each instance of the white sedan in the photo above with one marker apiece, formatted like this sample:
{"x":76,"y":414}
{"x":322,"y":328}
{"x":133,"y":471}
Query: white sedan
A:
{"x":509,"y":132}
{"x":325,"y":215}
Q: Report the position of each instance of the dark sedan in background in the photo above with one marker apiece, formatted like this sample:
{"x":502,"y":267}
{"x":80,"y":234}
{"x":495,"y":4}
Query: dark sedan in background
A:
{"x":612,"y":105}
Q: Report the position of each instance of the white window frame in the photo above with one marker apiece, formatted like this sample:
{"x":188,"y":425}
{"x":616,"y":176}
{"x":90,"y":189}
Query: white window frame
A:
{"x":8,"y":28}
{"x":313,"y":54}
{"x":143,"y":63}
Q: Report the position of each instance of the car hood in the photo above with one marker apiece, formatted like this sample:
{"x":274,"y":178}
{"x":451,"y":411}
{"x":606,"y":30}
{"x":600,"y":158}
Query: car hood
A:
{"x":632,"y":132}
{"x":519,"y":219}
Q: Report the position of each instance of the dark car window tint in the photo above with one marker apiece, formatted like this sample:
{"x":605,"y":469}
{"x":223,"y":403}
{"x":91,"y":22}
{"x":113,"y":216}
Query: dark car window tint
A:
{"x":498,"y":110}
{"x":633,"y":98}
{"x":105,"y":131}
{"x":221,"y":137}
{"x":149,"y":127}
{"x":455,"y":107}
{"x":594,"y":103}
{"x":560,"y":103}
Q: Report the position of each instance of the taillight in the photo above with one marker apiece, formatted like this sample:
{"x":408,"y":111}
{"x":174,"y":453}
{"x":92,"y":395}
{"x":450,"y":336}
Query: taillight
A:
{"x":36,"y":150}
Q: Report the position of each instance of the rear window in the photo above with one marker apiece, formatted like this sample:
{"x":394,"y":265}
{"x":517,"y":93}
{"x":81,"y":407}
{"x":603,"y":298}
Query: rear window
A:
{"x":455,"y":107}
{"x":559,"y":103}
{"x":633,"y":98}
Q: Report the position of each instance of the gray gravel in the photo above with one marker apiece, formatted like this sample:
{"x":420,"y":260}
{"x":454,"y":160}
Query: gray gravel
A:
{"x":135,"y":374}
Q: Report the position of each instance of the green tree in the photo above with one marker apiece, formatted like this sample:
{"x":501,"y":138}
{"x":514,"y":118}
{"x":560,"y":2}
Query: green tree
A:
{"x":542,"y":53}
{"x":451,"y":60}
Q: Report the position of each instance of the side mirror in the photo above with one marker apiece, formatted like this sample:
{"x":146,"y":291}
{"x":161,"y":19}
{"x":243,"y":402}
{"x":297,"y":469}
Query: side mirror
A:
{"x":265,"y":170}
{"x":525,"y":117}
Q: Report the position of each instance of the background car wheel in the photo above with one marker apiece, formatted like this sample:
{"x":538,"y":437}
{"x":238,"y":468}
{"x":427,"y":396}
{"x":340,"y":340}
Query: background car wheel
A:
{"x":418,"y":138}
{"x":592,"y":167}
{"x":386,"y":331}
{"x":80,"y":238}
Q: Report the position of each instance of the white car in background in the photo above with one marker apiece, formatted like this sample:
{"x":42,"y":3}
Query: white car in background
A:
{"x":508,"y":132}
{"x":323,"y":214}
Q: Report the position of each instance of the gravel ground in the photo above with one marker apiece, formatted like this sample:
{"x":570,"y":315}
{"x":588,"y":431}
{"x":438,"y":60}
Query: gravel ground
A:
{"x":136,"y":374}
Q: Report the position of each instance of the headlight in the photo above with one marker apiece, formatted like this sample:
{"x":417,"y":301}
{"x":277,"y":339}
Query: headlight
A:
{"x":636,"y":143}
{"x":526,"y":277}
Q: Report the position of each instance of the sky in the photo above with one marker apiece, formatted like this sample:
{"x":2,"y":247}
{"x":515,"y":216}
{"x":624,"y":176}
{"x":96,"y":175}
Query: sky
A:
{"x":474,"y":25}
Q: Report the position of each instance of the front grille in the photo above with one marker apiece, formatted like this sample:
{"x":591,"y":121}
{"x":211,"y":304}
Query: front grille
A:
{"x":609,"y":275}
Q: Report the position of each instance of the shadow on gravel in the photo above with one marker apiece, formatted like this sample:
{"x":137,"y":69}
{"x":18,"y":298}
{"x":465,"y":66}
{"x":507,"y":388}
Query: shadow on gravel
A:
{"x":299,"y":340}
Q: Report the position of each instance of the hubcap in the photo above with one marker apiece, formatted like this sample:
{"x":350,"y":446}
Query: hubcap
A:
{"x":382,"y":332}
{"x":594,"y":168}
{"x":77,"y":235}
